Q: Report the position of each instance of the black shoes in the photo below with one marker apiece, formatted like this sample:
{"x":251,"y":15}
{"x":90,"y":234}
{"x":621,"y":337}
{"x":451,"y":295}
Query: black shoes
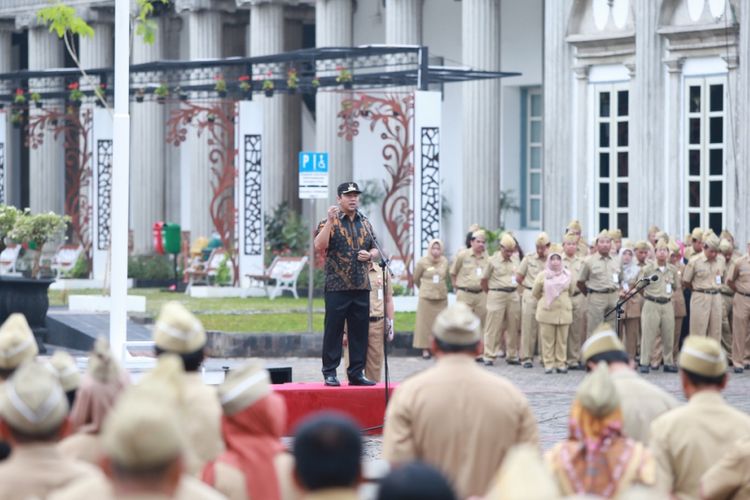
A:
{"x":488,"y":362}
{"x":576,"y":366}
{"x":737,"y":369}
{"x":361,"y":380}
{"x":645,"y":369}
{"x":512,"y":361}
{"x":562,"y":370}
{"x":670,"y":369}
{"x":528,"y":364}
{"x":331,"y":381}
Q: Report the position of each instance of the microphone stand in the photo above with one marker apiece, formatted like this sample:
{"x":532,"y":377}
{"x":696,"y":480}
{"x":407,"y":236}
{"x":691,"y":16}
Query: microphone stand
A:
{"x":639,"y":287}
{"x":385,"y":267}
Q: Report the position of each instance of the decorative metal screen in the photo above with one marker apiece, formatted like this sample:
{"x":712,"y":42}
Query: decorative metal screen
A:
{"x":253,"y":234}
{"x":2,"y":172}
{"x":103,"y":192}
{"x":430,"y":182}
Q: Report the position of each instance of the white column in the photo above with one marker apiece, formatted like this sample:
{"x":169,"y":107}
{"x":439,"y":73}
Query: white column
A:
{"x":47,"y":162}
{"x":742,"y":110}
{"x":480,"y":37}
{"x":147,"y":153}
{"x":267,"y":37}
{"x":98,"y":51}
{"x":564,"y":179}
{"x":579,"y":184}
{"x":205,"y":36}
{"x":646,"y":129}
{"x":403,"y":22}
{"x":672,"y":174}
{"x":333,"y":28}
{"x":735,"y":214}
{"x":5,"y":156}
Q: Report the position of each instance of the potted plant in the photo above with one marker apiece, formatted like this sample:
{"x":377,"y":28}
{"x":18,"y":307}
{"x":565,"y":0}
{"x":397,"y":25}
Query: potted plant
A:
{"x":220,"y":85}
{"x":314,"y":84}
{"x":246,"y":85}
{"x":8,"y":216}
{"x":20,"y":97}
{"x":161,"y":92}
{"x":36,"y":98}
{"x":74,"y":92}
{"x":268,"y":85}
{"x":211,"y":118}
{"x":292,"y":80}
{"x":16,"y":118}
{"x":35,"y":230}
{"x":181,"y":94}
{"x":101,"y":94}
{"x":140,"y":94}
{"x":344,"y":77}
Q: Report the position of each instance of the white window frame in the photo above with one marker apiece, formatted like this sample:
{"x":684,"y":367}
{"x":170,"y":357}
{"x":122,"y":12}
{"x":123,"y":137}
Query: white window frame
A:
{"x":613,"y":180}
{"x":529,"y":119}
{"x":704,"y":178}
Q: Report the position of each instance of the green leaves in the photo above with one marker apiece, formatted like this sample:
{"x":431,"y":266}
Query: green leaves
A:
{"x":145,"y":27}
{"x":62,"y":18}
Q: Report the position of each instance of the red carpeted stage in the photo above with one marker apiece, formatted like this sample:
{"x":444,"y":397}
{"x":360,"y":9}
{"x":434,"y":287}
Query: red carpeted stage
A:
{"x":365,"y":404}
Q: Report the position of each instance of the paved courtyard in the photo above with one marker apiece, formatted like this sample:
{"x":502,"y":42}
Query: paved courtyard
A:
{"x":550,"y":396}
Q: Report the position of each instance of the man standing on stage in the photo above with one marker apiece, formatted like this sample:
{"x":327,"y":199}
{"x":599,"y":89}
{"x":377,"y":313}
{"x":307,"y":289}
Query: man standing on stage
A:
{"x":348,"y":239}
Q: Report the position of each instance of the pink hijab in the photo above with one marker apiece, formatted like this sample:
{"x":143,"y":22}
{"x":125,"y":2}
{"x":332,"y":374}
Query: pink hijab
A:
{"x":556,"y":278}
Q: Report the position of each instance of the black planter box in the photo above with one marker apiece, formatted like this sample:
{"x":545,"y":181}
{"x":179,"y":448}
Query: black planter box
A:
{"x":28,"y":297}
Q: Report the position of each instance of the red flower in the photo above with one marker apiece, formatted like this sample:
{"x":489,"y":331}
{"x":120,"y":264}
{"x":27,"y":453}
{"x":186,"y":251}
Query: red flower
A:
{"x":19,"y":91}
{"x":102,"y":85}
{"x":73,"y":86}
{"x":244,"y":78}
{"x":219,"y":77}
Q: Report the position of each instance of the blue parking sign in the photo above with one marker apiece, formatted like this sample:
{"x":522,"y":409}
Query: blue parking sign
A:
{"x":313,"y":175}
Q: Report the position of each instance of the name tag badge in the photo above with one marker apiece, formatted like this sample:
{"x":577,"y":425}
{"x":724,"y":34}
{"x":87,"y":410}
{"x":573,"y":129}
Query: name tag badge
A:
{"x":479,"y":272}
{"x":513,"y":280}
{"x":380,"y":294}
{"x":718,"y":279}
{"x":435,"y":279}
{"x":615,"y":278}
{"x":669,"y":287}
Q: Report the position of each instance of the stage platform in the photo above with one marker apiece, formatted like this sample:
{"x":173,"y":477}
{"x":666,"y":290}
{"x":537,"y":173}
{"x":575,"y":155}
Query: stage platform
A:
{"x":364,"y":404}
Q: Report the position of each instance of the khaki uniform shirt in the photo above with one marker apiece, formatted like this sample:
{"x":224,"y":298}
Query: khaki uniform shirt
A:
{"x":377,"y":297}
{"x":430,"y":276}
{"x":100,"y":488}
{"x":573,"y":264}
{"x":530,"y":267}
{"x":560,"y":311}
{"x":468,"y":269}
{"x":678,"y":298}
{"x":688,"y":440}
{"x":739,"y":272}
{"x":665,"y":286}
{"x":728,"y":264}
{"x":583,"y":249}
{"x":601,"y":273}
{"x":459,"y":418}
{"x":704,"y":275}
{"x":730,"y":477}
{"x":81,"y":446}
{"x":641,"y":402}
{"x":501,"y":273}
{"x":202,"y":418}
{"x":35,"y":470}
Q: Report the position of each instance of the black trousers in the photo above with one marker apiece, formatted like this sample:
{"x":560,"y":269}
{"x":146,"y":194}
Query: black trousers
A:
{"x":352,"y":307}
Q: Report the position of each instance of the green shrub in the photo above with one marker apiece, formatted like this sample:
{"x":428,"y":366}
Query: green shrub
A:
{"x":319,"y":278}
{"x":150,"y":267}
{"x":286,"y":234}
{"x":80,"y":270}
{"x":223,"y":273}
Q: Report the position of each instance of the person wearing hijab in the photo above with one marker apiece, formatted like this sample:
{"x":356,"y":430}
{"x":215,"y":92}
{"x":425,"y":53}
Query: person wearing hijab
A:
{"x":99,"y":389}
{"x":553,"y":288}
{"x":597,"y":458}
{"x":254,"y":465}
{"x":430,"y":277}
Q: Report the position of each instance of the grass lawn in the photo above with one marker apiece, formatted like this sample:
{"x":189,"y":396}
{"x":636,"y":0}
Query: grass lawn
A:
{"x":250,"y":315}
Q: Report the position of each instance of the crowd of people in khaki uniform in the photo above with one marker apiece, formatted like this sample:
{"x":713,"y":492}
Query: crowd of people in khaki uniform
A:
{"x":548,"y":302}
{"x":454,"y":430}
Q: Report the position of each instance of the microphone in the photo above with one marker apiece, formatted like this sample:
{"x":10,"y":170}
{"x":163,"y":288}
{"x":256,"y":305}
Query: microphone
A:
{"x":653,"y":277}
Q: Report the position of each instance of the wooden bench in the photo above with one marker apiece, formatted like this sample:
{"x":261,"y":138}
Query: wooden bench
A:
{"x":284,"y":271}
{"x":65,"y":259}
{"x":203,"y":271}
{"x":9,"y":258}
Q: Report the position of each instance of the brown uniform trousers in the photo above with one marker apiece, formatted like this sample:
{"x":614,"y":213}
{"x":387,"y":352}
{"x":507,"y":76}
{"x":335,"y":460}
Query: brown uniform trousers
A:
{"x":739,"y":273}
{"x":730,"y":477}
{"x":577,"y":330}
{"x":657,"y":316}
{"x":531,"y":266}
{"x":554,"y":324}
{"x":680,"y":311}
{"x":705,"y":301}
{"x":602,"y":276}
{"x":688,"y":440}
{"x":482,"y":419}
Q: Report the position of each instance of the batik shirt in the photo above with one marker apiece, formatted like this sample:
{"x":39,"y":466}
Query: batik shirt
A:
{"x":348,"y":237}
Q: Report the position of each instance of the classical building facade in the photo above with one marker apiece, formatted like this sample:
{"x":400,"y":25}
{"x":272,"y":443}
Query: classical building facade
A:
{"x":626,"y":112}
